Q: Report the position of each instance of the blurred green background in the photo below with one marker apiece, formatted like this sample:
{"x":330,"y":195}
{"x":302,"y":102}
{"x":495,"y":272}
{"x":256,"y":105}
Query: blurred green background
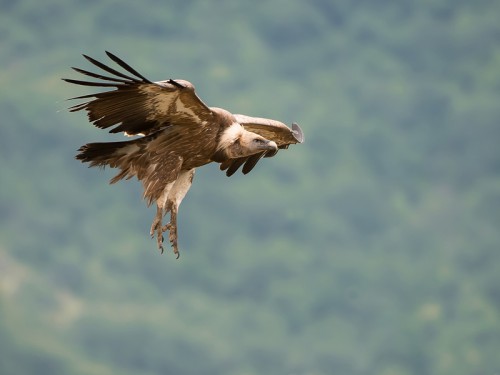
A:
{"x":373,"y":248}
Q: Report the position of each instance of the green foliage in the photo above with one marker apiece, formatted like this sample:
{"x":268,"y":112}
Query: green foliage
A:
{"x":370,"y":249}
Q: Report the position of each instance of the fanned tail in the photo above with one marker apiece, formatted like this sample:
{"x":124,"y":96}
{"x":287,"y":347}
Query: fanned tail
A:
{"x":121,"y":155}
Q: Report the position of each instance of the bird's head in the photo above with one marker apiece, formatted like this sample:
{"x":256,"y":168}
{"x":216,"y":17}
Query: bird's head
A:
{"x":249,"y":143}
{"x":255,"y":143}
{"x":237,"y":142}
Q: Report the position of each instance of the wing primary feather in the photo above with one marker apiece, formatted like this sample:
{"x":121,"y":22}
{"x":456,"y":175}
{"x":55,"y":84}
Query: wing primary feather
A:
{"x":99,"y":76}
{"x":175,"y":83}
{"x":225,"y":165}
{"x":251,"y":162}
{"x":83,"y":96}
{"x":236,"y":164}
{"x":110,"y":70}
{"x":87,"y":83}
{"x":271,"y":153}
{"x":127,"y":67}
{"x":77,"y":107}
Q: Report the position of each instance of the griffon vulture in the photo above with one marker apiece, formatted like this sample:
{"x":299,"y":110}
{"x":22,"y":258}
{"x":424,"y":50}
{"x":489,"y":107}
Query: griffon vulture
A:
{"x":178,"y":133}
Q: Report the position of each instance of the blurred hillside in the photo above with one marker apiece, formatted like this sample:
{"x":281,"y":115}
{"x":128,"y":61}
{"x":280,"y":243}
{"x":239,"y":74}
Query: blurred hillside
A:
{"x":371,"y":249}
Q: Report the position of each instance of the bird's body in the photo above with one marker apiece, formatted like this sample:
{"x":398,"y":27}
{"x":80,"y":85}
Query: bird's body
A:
{"x":179,"y":133}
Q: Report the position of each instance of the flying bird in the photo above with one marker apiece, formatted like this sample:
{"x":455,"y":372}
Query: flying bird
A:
{"x":177,"y":133}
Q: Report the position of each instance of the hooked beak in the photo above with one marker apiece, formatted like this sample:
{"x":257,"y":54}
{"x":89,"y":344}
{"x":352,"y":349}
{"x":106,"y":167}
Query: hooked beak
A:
{"x":269,"y":146}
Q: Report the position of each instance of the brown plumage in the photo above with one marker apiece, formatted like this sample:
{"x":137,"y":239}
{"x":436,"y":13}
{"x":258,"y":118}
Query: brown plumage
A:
{"x":178,"y":134}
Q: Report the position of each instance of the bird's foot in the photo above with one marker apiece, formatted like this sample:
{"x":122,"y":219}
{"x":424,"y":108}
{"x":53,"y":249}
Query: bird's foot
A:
{"x":172,"y":237}
{"x":156,"y":228}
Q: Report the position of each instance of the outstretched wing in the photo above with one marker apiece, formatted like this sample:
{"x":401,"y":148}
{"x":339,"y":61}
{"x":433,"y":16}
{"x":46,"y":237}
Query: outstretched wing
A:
{"x":137,"y":105}
{"x":270,"y":129}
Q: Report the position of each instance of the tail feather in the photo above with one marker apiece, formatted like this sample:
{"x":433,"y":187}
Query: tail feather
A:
{"x":113,"y":154}
{"x":100,"y":154}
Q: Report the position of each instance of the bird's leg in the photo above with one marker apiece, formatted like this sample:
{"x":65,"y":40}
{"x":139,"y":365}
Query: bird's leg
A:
{"x":157,"y":227}
{"x":156,"y":220}
{"x":172,"y":235}
{"x":172,"y":228}
{"x":169,"y":202}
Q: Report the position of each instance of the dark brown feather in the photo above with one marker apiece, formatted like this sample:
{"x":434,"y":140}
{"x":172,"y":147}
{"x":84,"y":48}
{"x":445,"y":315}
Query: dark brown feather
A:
{"x":88,"y":83}
{"x":234,"y":166}
{"x":99,"y":76}
{"x":111,"y":70}
{"x":125,"y":66}
{"x":251,"y":162}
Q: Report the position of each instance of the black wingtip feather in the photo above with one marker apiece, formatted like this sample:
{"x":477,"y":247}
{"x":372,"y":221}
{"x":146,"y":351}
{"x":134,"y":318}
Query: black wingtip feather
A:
{"x":88,"y":83}
{"x":100,"y":76}
{"x":110,"y":70}
{"x":127,"y":67}
{"x":235,"y":165}
{"x":175,"y":83}
{"x":252,"y":162}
